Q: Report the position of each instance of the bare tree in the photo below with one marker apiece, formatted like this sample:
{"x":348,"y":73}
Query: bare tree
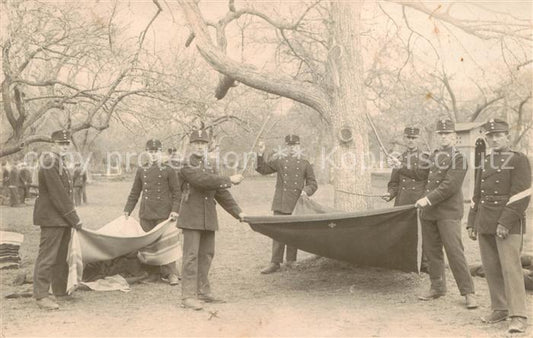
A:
{"x":323,"y":44}
{"x":338,"y":97}
{"x":59,"y":63}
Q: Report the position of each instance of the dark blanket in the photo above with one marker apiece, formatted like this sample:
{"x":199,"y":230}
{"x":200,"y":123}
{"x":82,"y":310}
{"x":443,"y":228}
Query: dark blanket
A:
{"x":385,"y":238}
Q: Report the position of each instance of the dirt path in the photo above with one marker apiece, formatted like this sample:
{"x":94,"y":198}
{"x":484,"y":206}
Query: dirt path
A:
{"x":320,"y":297}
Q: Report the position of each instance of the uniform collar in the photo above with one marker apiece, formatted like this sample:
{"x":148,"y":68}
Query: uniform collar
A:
{"x":499,"y":151}
{"x":195,"y":159}
{"x":447,"y":149}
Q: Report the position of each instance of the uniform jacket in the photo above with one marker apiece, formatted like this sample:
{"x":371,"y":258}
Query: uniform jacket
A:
{"x":201,"y":189}
{"x":159,"y":186}
{"x":407,"y":183}
{"x":502,"y":175}
{"x":54,"y":206}
{"x":294,"y":175}
{"x":444,"y":185}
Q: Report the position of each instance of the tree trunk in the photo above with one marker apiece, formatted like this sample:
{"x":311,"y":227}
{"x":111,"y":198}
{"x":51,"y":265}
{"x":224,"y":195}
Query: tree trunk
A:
{"x":351,"y":175}
{"x":343,"y":104}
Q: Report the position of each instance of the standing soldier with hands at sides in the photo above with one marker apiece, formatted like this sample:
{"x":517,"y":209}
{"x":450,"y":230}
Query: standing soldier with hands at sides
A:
{"x":295,"y":177}
{"x":54,"y":212}
{"x":202,"y":188}
{"x":160,"y":199}
{"x":441,"y":214}
{"x":497,"y":218}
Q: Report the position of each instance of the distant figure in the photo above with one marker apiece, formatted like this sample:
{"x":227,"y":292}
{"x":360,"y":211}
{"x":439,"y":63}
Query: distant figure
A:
{"x":13,"y":185}
{"x":440,"y":215}
{"x":77,"y":179}
{"x":497,"y":218}
{"x":295,"y":177}
{"x":25,"y":181}
{"x":55,"y":213}
{"x":5,"y":174}
{"x":5,"y":182}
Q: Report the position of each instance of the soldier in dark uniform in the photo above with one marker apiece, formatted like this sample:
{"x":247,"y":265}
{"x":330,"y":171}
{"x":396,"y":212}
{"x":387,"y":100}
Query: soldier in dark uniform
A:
{"x":54,"y":212}
{"x":201,"y":189}
{"x":295,"y":177}
{"x":442,"y":210}
{"x":497,"y":217}
{"x":408,"y":179}
{"x":158,"y":183}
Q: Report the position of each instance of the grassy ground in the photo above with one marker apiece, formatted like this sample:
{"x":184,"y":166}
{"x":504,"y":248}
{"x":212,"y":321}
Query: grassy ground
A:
{"x":320,"y":297}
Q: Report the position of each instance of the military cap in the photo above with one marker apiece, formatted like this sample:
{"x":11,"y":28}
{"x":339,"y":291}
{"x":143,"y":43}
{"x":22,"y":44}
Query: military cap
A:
{"x":153,"y":144}
{"x":496,"y":126}
{"x":445,"y":126}
{"x":292,"y":139}
{"x":411,"y":131}
{"x":199,"y":135}
{"x":61,"y":136}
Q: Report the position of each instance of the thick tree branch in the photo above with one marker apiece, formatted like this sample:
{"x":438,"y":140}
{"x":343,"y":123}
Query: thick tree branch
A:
{"x":307,"y":94}
{"x":19,"y":103}
{"x":12,"y":149}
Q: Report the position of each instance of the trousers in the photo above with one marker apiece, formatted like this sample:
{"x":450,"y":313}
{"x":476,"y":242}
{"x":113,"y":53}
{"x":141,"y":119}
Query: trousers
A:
{"x":278,"y":249}
{"x":51,"y":266}
{"x":198,"y":253}
{"x":437,"y":234}
{"x":167,"y":269}
{"x":503,"y":270}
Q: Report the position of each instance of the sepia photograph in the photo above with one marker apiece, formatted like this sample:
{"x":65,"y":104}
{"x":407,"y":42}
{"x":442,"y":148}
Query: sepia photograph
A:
{"x":266,"y":168}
